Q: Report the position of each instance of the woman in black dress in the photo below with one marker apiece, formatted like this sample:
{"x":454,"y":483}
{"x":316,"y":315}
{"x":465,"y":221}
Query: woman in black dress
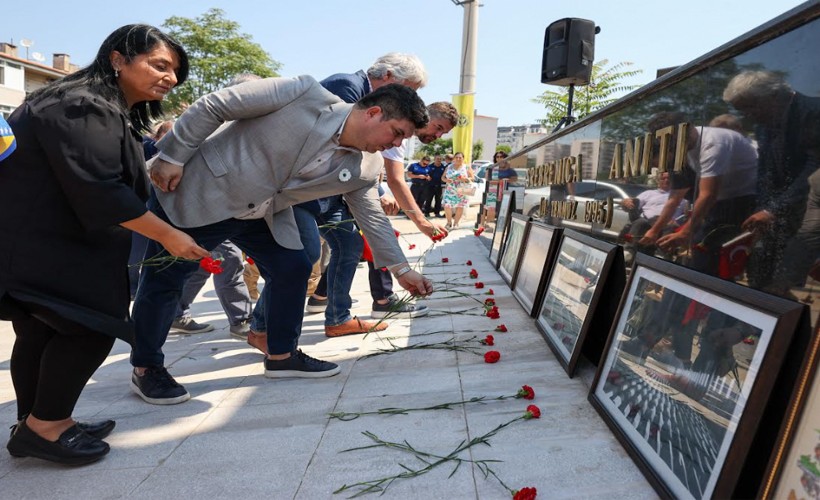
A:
{"x":69,"y":195}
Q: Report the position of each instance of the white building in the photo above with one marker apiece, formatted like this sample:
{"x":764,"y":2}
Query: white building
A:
{"x":19,"y":76}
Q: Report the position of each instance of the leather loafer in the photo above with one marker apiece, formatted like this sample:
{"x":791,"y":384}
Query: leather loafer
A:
{"x":354,"y":326}
{"x":259,"y":340}
{"x":99,"y":430}
{"x":73,"y":447}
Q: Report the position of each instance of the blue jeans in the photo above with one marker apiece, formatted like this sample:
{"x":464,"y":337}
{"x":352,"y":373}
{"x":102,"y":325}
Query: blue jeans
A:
{"x":285,"y":272}
{"x":346,"y":246}
{"x":309,"y":234}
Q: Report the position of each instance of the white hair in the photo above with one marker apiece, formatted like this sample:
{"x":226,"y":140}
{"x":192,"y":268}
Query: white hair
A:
{"x":405,"y":68}
{"x":755,"y":86}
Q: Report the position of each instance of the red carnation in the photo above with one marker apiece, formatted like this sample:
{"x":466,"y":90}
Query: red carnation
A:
{"x":438,"y":236}
{"x":473,"y":273}
{"x":490,"y":292}
{"x":479,"y":230}
{"x":445,"y":259}
{"x":501,"y":328}
{"x":250,"y":260}
{"x":493,"y":313}
{"x":532,"y":412}
{"x":479,"y":284}
{"x":489,"y":340}
{"x":492,"y":356}
{"x":526,"y":392}
{"x":397,"y":233}
{"x":412,"y":246}
{"x":213,"y":266}
{"x":469,"y":263}
{"x":489,"y":302}
{"x":525,"y":494}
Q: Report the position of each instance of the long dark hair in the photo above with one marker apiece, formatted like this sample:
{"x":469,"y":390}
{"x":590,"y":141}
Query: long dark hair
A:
{"x":98,"y":77}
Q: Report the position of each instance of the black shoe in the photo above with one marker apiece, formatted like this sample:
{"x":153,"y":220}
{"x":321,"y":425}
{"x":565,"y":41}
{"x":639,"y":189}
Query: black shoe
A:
{"x":73,"y":447}
{"x":99,"y":430}
{"x":316,"y":305}
{"x":158,"y":387}
{"x":300,"y":365}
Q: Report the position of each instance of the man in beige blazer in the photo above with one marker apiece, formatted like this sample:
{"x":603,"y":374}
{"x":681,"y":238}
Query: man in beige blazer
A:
{"x":232,"y":167}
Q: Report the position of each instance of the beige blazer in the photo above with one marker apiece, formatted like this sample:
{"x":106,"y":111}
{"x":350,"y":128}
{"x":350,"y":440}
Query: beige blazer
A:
{"x":277,"y":126}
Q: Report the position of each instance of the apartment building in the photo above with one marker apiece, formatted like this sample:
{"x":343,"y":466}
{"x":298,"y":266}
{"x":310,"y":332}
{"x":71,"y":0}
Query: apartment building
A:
{"x":19,"y":76}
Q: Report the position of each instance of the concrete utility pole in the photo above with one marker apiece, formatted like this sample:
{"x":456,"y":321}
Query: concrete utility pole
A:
{"x":469,"y":45}
{"x":464,"y":101}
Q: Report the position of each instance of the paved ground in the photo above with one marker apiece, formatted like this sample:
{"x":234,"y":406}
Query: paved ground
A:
{"x":245,"y":436}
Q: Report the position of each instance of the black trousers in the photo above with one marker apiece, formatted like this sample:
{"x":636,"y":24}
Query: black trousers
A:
{"x":432,"y":192}
{"x":417,"y":190}
{"x":49,"y":369}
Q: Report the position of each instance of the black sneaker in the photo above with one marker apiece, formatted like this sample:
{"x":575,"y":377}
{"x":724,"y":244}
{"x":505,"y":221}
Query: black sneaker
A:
{"x":158,"y":387}
{"x":186,"y":324}
{"x":393,"y":309}
{"x":300,"y":365}
{"x":316,"y":305}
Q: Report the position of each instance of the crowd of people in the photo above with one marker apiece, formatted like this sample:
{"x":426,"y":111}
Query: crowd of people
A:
{"x":248,"y":172}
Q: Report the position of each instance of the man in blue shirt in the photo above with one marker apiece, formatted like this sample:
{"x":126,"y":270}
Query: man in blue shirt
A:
{"x":419,"y":175}
{"x":434,"y":187}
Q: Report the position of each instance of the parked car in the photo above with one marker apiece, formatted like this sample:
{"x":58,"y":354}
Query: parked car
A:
{"x":586,"y":192}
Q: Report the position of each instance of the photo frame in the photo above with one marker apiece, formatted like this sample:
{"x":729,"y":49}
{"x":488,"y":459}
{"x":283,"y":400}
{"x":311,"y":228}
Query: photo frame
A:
{"x":794,"y":468}
{"x":513,"y":247}
{"x":505,"y":208}
{"x":577,"y":283}
{"x":536,"y":262}
{"x":687,"y":372}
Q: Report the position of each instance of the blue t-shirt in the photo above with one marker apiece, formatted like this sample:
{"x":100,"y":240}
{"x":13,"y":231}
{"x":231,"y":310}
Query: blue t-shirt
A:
{"x":418,"y":169}
{"x":436,"y":173}
{"x":506,"y":173}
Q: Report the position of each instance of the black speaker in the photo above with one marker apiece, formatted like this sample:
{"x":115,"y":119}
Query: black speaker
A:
{"x":569,"y":50}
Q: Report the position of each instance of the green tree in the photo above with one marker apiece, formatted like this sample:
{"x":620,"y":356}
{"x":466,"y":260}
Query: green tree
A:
{"x":605,"y":87}
{"x":504,"y":147}
{"x":217,"y":52}
{"x":437,"y":147}
{"x":478,"y":148}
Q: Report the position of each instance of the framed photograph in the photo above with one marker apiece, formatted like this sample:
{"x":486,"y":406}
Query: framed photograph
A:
{"x":505,"y":208}
{"x":536,"y":262}
{"x":687,"y":373}
{"x":794,"y":469}
{"x":575,"y":286}
{"x":513,"y":246}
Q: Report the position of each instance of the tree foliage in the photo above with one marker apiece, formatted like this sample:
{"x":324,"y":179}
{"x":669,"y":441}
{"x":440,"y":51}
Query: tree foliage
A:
{"x":445,"y":146}
{"x":503,"y":147}
{"x":478,"y":148}
{"x":217,"y":52}
{"x":605,"y":87}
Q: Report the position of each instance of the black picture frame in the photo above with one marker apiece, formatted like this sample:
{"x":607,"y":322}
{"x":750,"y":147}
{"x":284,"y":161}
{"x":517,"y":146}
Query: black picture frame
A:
{"x":686,"y":408}
{"x":502,"y":222}
{"x":515,"y":242}
{"x":584,"y":274}
{"x":536,"y":263}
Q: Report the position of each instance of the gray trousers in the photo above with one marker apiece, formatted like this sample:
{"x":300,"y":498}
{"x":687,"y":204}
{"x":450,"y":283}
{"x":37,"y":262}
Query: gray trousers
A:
{"x":229,"y":285}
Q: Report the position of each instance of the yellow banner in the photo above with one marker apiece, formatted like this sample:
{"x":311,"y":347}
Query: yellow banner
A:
{"x":463,"y":131}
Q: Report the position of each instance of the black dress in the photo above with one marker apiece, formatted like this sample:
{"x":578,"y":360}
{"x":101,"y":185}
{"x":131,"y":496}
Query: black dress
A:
{"x":77,"y":173}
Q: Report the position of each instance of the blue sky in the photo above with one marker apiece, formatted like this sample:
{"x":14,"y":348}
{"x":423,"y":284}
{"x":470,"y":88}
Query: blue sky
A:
{"x":322,"y":37}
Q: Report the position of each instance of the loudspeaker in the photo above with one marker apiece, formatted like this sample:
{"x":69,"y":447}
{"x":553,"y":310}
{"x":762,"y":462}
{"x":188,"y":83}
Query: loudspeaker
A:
{"x":569,"y":51}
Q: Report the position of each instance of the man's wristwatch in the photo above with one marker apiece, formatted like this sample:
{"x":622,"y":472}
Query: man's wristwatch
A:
{"x":402,"y":271}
